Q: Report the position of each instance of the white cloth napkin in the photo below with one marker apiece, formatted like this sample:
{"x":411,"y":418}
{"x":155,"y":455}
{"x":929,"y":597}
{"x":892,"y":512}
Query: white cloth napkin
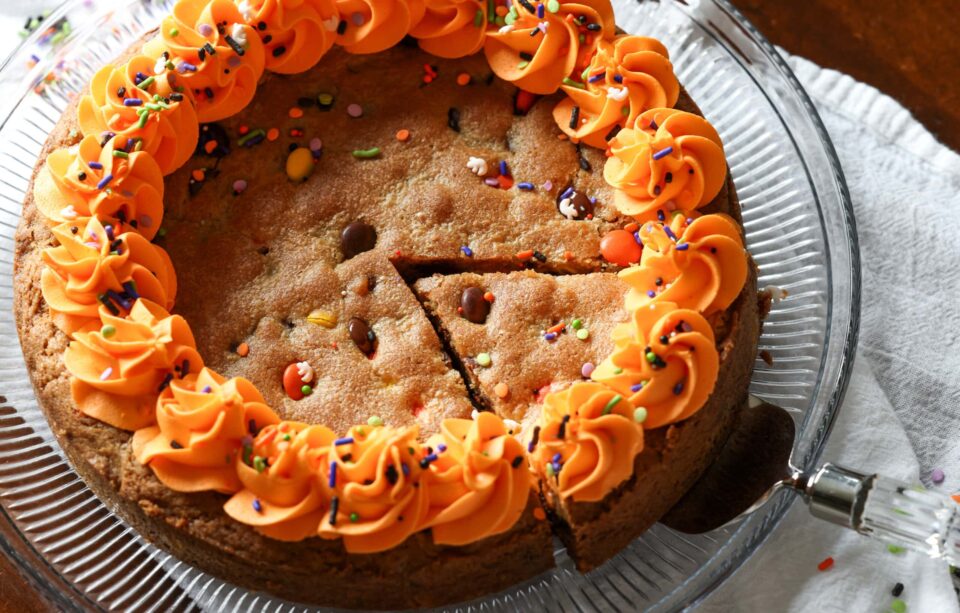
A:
{"x":901,"y":416}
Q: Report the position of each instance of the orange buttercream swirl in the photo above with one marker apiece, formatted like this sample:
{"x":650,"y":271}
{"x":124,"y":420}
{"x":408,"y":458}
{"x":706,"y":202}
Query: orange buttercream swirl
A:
{"x":587,"y":442}
{"x":377,"y":496}
{"x":538,"y":47}
{"x":626,"y":77}
{"x":295,"y":33}
{"x":283,"y":496}
{"x":118,"y":371}
{"x":479,"y":484}
{"x":142,"y":111}
{"x":202,"y":420}
{"x":665,"y":361}
{"x":700,"y":265}
{"x":88,"y":180}
{"x":452,"y":28}
{"x":215,"y":54}
{"x":369,"y":26}
{"x":94,"y":268}
{"x":670,"y":159}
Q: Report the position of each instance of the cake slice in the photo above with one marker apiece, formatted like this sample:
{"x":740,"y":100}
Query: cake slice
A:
{"x":518,"y":334}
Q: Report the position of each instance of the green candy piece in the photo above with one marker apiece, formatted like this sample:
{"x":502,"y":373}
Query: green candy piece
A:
{"x":583,"y":334}
{"x":640,"y":415}
{"x":306,"y":390}
{"x":325,"y":99}
{"x":484,"y":359}
{"x":898,"y":606}
{"x":374,"y":421}
{"x":651,"y":357}
{"x":523,"y":64}
{"x":366,"y":154}
{"x":611,"y":403}
{"x":108,"y":331}
{"x":576,"y":324}
{"x":354,"y":517}
{"x":553,"y":6}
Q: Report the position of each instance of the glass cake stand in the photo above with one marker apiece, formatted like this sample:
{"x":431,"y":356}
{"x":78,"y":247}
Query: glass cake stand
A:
{"x":800,"y":229}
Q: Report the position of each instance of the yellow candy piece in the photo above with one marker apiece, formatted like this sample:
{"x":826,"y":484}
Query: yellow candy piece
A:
{"x":322,"y":318}
{"x":299,"y":164}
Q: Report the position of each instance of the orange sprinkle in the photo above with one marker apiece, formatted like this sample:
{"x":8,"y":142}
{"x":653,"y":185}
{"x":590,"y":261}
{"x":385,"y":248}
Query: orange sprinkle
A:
{"x":427,"y":78}
{"x":488,"y":296}
{"x":956,"y":497}
{"x":501,"y":390}
{"x":403,"y":135}
{"x":826,"y":564}
{"x":557,"y":328}
{"x":243,"y":350}
{"x":568,"y":255}
{"x":295,"y":112}
{"x":243,"y":129}
{"x":427,"y":68}
{"x":539,"y":514}
{"x":209,"y":146}
{"x":273,"y":134}
{"x":198,"y":174}
{"x":505,"y":182}
{"x":463,"y":79}
{"x":632,"y":227}
{"x":526,"y":254}
{"x":561,"y":137}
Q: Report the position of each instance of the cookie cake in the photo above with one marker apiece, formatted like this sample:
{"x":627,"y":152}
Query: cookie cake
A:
{"x":364,"y":302}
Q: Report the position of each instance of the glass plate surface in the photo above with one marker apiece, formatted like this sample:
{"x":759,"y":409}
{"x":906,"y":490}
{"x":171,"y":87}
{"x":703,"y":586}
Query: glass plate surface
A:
{"x":800,"y":230}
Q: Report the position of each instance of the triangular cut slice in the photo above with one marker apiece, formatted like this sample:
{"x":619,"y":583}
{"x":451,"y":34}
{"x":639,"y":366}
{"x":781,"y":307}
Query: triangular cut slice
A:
{"x":517,"y":334}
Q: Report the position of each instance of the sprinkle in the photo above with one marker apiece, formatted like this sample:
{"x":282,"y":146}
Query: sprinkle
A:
{"x":898,"y":606}
{"x":272,"y":134}
{"x":662,"y":153}
{"x":525,"y":186}
{"x":894,"y":549}
{"x":334,"y":506}
{"x":583,"y":334}
{"x":257,"y":506}
{"x":484,"y":359}
{"x":825,"y":564}
{"x":403,"y":135}
{"x":572,"y":83}
{"x":354,"y":110}
{"x":587,"y":369}
{"x":550,"y":336}
{"x":243,"y":350}
{"x":574,"y":117}
{"x":611,"y":403}
{"x":332,"y":479}
{"x":538,"y":512}
{"x":295,"y":112}
{"x":453,"y":118}
{"x":502,"y":390}
{"x":492,"y":182}
{"x":937,"y":476}
{"x":651,"y":293}
{"x":106,"y":373}
{"x":463,"y":79}
{"x":259,"y":464}
{"x":306,"y":390}
{"x":678,"y":388}
{"x":107,"y":331}
{"x":478,"y":166}
{"x":326,"y":100}
{"x":683,"y":246}
{"x":525,"y":254}
{"x":897,"y":589}
{"x":503,"y":168}
{"x":104,"y":181}
{"x":354,"y":517}
{"x":374,"y":421}
{"x":640,"y":415}
{"x":132,"y":102}
{"x":467,"y":251}
{"x":251,"y":137}
{"x":534,"y":440}
{"x":347,"y":440}
{"x":239,"y":186}
{"x":299,"y":164}
{"x":488,"y":296}
{"x":365,"y":154}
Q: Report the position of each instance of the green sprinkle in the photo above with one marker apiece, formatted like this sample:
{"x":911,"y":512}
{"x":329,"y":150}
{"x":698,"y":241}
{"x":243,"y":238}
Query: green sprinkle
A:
{"x":366,"y":154}
{"x":171,"y":66}
{"x":108,"y":331}
{"x":151,"y":106}
{"x":651,"y":357}
{"x":287,"y":437}
{"x":411,"y":450}
{"x":553,"y":6}
{"x":361,"y":432}
{"x":144,"y":118}
{"x":583,"y":39}
{"x":572,"y":83}
{"x":120,"y":154}
{"x":618,"y":371}
{"x":894,"y":549}
{"x":549,"y":469}
{"x":478,"y":19}
{"x":640,"y":415}
{"x":162,"y":232}
{"x":484,"y":359}
{"x":583,"y":334}
{"x":146,"y":83}
{"x":898,"y":606}
{"x":576,"y":324}
{"x":611,"y":403}
{"x":510,"y":18}
{"x":354,"y":517}
{"x":72,"y":134}
{"x":325,"y":99}
{"x":501,"y":21}
{"x":523,"y":64}
{"x":243,"y":140}
{"x":259,"y":464}
{"x":583,"y":75}
{"x":374,"y":421}
{"x":306,"y":390}
{"x":625,"y":110}
{"x":174,"y":32}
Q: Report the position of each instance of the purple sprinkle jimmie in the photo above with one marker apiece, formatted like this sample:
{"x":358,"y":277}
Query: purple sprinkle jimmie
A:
{"x":662,"y":153}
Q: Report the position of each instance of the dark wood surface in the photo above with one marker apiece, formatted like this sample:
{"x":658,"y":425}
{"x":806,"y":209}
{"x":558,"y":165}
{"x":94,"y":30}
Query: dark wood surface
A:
{"x":910,"y":51}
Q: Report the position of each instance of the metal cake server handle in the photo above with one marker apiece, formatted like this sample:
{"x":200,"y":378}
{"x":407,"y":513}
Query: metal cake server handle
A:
{"x":754,"y":465}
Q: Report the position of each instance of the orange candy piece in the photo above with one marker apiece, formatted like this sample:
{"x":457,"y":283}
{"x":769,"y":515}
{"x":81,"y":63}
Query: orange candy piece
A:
{"x":620,"y":247}
{"x":292,"y":383}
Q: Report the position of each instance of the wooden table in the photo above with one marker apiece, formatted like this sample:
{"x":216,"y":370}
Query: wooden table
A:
{"x":909,"y":51}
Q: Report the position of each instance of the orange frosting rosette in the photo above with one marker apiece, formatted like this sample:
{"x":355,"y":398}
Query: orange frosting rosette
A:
{"x":283,"y":497}
{"x":479,"y":484}
{"x":377,"y":497}
{"x":588,"y":440}
{"x":665,"y":362}
{"x":88,"y":180}
{"x":369,"y":26}
{"x":94,"y":268}
{"x":452,"y":28}
{"x":201,"y":422}
{"x":295,"y":33}
{"x":119,"y":371}
{"x":563,"y":45}
{"x":701,"y":265}
{"x":670,"y":159}
{"x":626,"y":77}
{"x":142,"y":110}
{"x":215,"y":54}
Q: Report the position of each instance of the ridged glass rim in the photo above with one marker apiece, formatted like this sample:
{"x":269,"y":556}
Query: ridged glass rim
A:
{"x":720,"y":20}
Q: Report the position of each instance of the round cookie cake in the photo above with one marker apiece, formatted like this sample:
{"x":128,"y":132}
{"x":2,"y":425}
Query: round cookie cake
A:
{"x":363,"y":302}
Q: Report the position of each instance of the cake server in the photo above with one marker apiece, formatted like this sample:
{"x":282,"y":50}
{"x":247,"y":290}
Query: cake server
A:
{"x":755,"y":464}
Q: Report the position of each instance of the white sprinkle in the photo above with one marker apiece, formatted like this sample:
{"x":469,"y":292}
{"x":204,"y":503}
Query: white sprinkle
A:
{"x":477,"y":166}
{"x":305,"y":371}
{"x":473,"y":414}
{"x":505,"y":29}
{"x":106,"y":373}
{"x":68,"y":212}
{"x":776,"y":293}
{"x":330,"y":25}
{"x":617,"y":93}
{"x":542,"y":26}
{"x":246,"y":10}
{"x":161,"y":66}
{"x":567,"y":209}
{"x":238,"y":34}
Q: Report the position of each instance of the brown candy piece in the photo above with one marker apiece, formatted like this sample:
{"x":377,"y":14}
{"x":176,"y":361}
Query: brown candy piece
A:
{"x":473,"y":306}
{"x":362,"y":336}
{"x":356,"y":238}
{"x":574,"y":204}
